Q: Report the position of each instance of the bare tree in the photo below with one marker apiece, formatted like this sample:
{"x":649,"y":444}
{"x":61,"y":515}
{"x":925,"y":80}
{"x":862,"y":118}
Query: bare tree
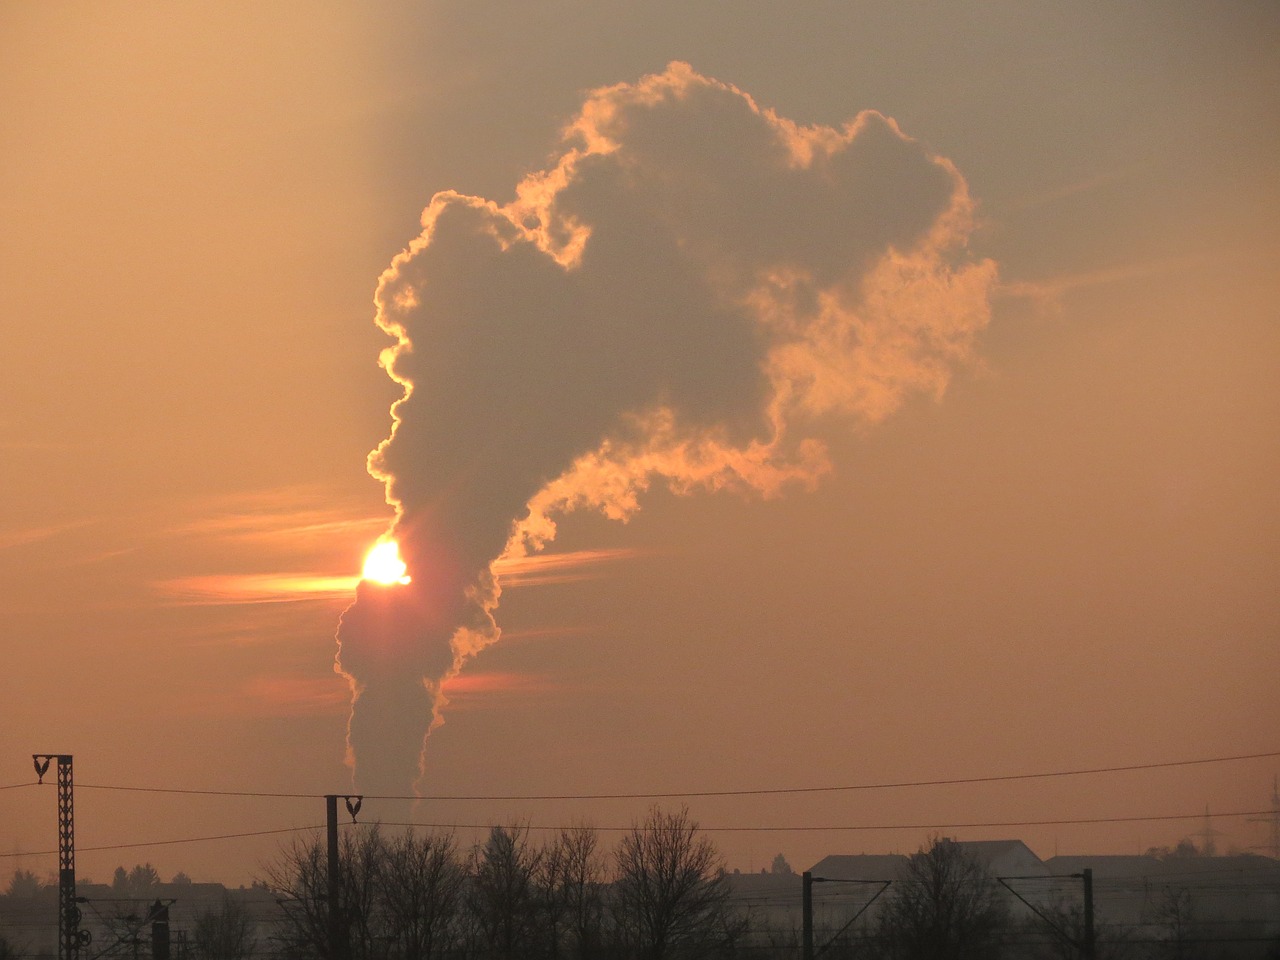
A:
{"x":422,"y":884}
{"x":671,"y":895}
{"x":127,"y":923}
{"x":1059,"y":932}
{"x":223,"y":933}
{"x":297,"y":877}
{"x":362,"y":855}
{"x":570,"y":879}
{"x":945,"y":907}
{"x":399,"y":897}
{"x":553,"y":907}
{"x":502,"y":898}
{"x":1176,"y":915}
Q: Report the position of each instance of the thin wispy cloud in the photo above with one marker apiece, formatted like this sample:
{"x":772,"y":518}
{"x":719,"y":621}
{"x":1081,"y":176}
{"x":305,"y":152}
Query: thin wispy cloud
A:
{"x":1051,"y":291}
{"x":253,"y":588}
{"x":10,"y":539}
{"x":469,"y":689}
{"x":295,"y":587}
{"x":287,"y":514}
{"x":296,"y":696}
{"x":548,"y":568}
{"x":271,"y":696}
{"x":1066,"y":191}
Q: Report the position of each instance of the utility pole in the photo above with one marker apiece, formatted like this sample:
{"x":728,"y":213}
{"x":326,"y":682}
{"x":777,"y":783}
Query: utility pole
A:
{"x":1209,"y":847}
{"x":159,"y":930}
{"x":806,"y":911}
{"x":339,"y":930}
{"x":336,"y":926}
{"x":1090,"y":947}
{"x":1273,"y":818}
{"x":70,"y":937}
{"x":1087,"y":943}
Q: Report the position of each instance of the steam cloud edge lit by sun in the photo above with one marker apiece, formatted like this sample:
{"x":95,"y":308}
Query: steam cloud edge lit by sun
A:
{"x":382,"y":564}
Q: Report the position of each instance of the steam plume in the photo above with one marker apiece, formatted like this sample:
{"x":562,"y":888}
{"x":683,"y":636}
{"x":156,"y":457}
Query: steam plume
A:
{"x":687,"y":295}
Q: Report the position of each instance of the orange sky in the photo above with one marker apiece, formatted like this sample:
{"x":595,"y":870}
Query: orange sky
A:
{"x":1067,"y":561}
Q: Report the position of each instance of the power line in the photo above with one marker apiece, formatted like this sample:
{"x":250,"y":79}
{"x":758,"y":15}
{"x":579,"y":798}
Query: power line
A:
{"x":164,"y":843}
{"x":747,"y":829}
{"x":212,"y":793}
{"x":846,"y":827}
{"x":691,"y":794}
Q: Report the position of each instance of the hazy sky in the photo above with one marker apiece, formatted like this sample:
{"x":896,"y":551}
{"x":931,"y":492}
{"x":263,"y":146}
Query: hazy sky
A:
{"x":1055,"y":547}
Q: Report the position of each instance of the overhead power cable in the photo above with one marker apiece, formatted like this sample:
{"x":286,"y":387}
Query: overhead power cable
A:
{"x":848,"y":827}
{"x":184,"y":791}
{"x":706,"y":829}
{"x":165,"y":843}
{"x":691,"y":794}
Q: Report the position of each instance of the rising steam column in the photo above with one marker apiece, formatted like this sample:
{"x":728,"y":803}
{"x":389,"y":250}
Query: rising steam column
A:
{"x":70,"y":937}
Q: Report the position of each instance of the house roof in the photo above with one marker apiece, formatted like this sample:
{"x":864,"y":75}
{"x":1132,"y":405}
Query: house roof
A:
{"x":861,"y":866}
{"x":864,"y":866}
{"x":756,"y":883}
{"x":989,"y":850}
{"x":1118,"y":865}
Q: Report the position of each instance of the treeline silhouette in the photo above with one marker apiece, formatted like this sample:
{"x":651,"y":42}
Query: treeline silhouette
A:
{"x":660,"y":893}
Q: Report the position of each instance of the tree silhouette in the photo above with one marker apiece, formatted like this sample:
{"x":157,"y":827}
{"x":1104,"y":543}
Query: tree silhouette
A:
{"x":422,"y":880}
{"x":944,"y":907}
{"x":570,"y":880}
{"x":502,"y":898}
{"x":671,"y":894}
{"x":138,"y":883}
{"x":412,"y":897}
{"x":24,"y":884}
{"x":223,"y":933}
{"x":297,"y":877}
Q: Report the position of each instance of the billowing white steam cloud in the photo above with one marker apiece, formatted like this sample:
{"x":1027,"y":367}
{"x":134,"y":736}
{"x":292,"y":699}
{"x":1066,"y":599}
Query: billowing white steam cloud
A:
{"x":684,"y":296}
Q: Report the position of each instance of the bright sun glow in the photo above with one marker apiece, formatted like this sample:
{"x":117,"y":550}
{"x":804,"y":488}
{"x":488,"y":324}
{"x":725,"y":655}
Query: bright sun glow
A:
{"x":383,"y":565}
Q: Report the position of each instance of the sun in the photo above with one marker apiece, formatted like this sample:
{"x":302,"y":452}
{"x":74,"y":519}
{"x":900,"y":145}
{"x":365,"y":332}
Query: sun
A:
{"x":383,"y":565}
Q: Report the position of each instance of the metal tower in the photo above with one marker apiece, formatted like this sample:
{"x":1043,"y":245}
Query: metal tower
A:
{"x":1208,"y":846}
{"x":1273,"y":818}
{"x":69,"y":935}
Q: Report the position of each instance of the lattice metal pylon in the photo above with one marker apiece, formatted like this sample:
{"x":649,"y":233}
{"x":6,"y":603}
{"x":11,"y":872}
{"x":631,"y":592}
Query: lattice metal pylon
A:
{"x":68,"y":912}
{"x":1272,"y":819}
